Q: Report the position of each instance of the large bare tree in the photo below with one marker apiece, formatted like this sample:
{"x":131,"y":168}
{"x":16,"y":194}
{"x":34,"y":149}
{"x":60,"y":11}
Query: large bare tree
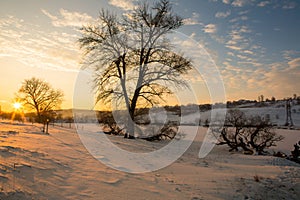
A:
{"x":39,"y":96}
{"x":132,"y":58}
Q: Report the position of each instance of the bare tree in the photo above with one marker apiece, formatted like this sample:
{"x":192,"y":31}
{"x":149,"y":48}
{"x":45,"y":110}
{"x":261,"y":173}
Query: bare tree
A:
{"x":39,"y":96}
{"x":134,"y":53}
{"x":260,"y":134}
{"x":252,"y":134}
{"x":235,"y":121}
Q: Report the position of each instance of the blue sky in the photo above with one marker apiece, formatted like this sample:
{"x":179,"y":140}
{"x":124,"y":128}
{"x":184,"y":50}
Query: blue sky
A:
{"x":255,"y":44}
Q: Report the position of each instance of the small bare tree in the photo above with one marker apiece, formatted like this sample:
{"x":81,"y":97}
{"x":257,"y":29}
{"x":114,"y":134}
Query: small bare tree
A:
{"x":132,"y":57}
{"x":252,"y":134}
{"x":39,"y":95}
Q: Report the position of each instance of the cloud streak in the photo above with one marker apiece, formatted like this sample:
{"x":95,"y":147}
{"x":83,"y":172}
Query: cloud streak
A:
{"x":263,"y":3}
{"x":294,"y":64}
{"x":289,"y":5}
{"x":210,"y":28}
{"x":123,"y":4}
{"x":194,"y":20}
{"x":67,"y":18}
{"x":226,"y":1}
{"x":239,"y":3}
{"x":222,"y":14}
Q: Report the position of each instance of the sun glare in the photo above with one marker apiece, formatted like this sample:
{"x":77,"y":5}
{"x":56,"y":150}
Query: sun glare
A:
{"x":17,"y":105}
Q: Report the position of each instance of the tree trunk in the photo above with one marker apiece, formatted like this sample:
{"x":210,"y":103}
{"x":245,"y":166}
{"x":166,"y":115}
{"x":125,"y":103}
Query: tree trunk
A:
{"x":130,"y":117}
{"x":130,"y":129}
{"x":130,"y":125}
{"x":39,"y":120}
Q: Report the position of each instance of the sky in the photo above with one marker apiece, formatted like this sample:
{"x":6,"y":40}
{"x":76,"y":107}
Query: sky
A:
{"x":254,"y":44}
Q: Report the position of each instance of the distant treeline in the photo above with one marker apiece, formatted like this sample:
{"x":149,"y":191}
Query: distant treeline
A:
{"x":66,"y":116}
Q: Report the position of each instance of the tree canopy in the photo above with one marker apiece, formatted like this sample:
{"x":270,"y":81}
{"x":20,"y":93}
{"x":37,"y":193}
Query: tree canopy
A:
{"x":39,"y":95}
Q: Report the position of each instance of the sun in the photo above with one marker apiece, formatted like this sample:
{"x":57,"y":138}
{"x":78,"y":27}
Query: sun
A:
{"x":17,"y":105}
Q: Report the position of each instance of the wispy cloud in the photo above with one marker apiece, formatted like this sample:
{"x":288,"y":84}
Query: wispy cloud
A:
{"x":234,"y":47}
{"x":263,"y":3}
{"x":248,"y":52}
{"x":234,"y":78}
{"x":237,"y":39}
{"x":123,"y":4}
{"x":210,"y":28}
{"x":222,"y":14}
{"x":289,"y":5}
{"x":274,"y":4}
{"x":226,"y":1}
{"x":239,"y":18}
{"x":239,"y":3}
{"x":290,"y":54}
{"x":294,"y":64}
{"x":243,"y":12}
{"x":194,"y":20}
{"x":68,"y":18}
{"x":11,"y":20}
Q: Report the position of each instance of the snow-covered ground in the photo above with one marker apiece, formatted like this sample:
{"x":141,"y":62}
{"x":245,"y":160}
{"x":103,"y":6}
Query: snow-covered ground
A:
{"x":57,"y":166}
